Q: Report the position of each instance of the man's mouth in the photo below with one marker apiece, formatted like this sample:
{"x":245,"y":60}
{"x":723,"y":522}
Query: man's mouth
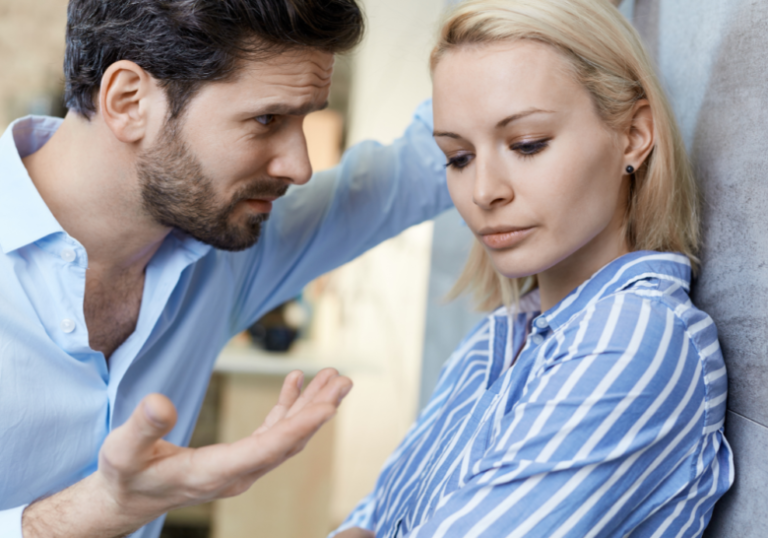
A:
{"x":260,"y":205}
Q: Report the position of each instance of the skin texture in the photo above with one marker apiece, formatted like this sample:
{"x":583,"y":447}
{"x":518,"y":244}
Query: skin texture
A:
{"x":533,"y":170}
{"x":239,"y":144}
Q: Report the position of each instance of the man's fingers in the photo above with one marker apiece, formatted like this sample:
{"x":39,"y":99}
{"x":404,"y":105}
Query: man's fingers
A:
{"x":260,"y":453}
{"x":316,"y":386}
{"x":129,"y":447}
{"x":332,"y":392}
{"x":288,"y":395}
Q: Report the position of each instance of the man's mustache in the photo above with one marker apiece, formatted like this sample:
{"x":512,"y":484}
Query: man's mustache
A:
{"x":264,"y":188}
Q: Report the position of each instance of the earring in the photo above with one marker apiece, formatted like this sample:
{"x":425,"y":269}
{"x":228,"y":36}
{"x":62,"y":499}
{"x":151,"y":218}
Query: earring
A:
{"x":630,"y":169}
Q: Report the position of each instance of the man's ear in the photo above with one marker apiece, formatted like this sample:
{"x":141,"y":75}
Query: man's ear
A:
{"x":640,"y":136}
{"x":127,"y":100}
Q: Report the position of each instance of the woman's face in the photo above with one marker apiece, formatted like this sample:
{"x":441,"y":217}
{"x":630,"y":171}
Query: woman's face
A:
{"x":533,"y":170}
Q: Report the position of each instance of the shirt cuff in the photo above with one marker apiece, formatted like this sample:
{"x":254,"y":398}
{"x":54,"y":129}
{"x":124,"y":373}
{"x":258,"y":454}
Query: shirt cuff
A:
{"x":10,"y":522}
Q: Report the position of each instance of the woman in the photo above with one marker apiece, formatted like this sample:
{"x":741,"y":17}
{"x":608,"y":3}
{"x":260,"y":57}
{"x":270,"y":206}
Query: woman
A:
{"x":593,"y":406}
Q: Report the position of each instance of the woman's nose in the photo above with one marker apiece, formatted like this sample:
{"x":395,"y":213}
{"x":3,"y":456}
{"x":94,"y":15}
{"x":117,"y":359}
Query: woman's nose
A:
{"x":492,"y":186}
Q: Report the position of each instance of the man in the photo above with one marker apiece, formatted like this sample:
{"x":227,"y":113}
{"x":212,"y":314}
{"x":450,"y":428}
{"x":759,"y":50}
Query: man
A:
{"x":131,"y":250}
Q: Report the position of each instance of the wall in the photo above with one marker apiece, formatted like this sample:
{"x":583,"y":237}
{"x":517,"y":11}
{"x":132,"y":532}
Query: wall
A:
{"x":31,"y":56}
{"x":711,"y":55}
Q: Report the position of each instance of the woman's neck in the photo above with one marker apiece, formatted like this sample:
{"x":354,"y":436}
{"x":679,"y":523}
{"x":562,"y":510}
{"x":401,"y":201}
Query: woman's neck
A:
{"x":565,"y":276}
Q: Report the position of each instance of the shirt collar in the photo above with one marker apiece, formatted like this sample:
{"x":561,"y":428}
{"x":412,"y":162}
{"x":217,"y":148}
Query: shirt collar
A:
{"x":618,"y":275}
{"x":24,"y":216}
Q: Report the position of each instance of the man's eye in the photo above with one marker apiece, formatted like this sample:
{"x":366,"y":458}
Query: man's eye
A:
{"x":458,"y":162}
{"x":265,"y":119}
{"x":530,"y":148}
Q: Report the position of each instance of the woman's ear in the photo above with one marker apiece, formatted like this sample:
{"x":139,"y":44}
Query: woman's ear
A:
{"x":126,"y":100}
{"x":640,"y":135}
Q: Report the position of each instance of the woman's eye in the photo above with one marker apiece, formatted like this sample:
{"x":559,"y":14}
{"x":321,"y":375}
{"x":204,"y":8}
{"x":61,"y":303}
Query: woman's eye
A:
{"x":458,"y":162}
{"x":265,"y":119}
{"x":527,"y":149}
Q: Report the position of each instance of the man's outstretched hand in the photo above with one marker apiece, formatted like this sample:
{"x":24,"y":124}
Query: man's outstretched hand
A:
{"x":141,"y":476}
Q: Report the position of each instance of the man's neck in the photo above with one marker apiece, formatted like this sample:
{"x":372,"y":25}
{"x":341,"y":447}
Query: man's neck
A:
{"x":88,"y":180}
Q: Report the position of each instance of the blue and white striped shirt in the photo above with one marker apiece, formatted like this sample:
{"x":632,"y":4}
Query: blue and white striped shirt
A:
{"x":608,"y":424}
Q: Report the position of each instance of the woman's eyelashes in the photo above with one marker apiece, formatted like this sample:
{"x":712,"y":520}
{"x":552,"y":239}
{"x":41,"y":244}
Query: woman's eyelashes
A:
{"x":459,"y":161}
{"x":525,"y":149}
{"x":529,"y":148}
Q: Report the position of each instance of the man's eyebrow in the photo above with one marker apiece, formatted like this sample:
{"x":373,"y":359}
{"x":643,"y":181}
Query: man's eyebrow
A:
{"x":503,"y":123}
{"x":287,"y":110}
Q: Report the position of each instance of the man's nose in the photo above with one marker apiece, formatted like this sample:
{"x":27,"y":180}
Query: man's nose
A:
{"x":291,"y":159}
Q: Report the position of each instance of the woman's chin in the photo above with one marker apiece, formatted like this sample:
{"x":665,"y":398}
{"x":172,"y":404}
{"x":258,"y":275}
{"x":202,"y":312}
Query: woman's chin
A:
{"x":517,"y":264}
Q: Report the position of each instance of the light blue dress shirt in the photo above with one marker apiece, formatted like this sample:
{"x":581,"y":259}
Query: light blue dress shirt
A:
{"x":58,"y":398}
{"x":608,"y":424}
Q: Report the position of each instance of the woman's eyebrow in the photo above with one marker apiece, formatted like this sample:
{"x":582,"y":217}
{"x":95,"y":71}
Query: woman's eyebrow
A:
{"x":503,"y":123}
{"x":435,"y":134}
{"x":520,"y":115}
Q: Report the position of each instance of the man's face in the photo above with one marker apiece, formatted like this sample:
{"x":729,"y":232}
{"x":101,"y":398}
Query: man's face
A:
{"x":215,"y":172}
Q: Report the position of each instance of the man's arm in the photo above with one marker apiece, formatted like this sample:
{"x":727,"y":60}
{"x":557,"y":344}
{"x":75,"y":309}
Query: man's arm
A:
{"x":141,"y":476}
{"x":375,"y":193}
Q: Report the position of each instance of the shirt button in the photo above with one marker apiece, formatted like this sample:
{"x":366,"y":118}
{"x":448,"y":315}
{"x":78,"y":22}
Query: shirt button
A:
{"x":68,"y":255}
{"x":537,"y":339}
{"x":67,"y":325}
{"x":542,"y":323}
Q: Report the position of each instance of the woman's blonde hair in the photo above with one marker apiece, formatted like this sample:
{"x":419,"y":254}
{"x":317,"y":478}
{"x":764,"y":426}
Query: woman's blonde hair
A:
{"x":608,"y":59}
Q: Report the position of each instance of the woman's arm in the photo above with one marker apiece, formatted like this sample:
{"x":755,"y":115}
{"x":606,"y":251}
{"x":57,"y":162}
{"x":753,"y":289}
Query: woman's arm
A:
{"x":356,"y":532}
{"x":606,"y":433}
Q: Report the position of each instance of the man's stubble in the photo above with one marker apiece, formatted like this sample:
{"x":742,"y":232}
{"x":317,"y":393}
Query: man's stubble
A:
{"x":176,"y":193}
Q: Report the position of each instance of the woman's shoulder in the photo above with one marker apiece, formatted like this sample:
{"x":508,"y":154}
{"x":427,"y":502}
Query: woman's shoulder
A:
{"x":649,"y":317}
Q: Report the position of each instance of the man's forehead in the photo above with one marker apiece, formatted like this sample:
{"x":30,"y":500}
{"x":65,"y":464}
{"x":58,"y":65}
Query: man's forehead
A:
{"x":292,"y":63}
{"x":290,"y":109}
{"x":288,"y":84}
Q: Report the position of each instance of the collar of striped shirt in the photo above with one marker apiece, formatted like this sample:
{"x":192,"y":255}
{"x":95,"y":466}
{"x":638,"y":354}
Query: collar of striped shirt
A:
{"x":618,"y":275}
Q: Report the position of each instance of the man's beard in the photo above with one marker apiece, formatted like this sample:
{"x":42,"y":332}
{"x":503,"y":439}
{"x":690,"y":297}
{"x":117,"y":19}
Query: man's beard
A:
{"x":176,"y":193}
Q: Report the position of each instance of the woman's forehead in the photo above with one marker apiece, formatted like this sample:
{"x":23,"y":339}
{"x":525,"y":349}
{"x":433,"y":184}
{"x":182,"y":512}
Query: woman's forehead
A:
{"x":513,"y":76}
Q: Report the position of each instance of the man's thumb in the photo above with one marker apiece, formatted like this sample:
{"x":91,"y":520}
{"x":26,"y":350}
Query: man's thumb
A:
{"x":154,"y":417}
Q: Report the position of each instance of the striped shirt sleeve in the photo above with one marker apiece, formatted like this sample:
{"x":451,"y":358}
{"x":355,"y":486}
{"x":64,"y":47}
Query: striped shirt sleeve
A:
{"x":614,"y":413}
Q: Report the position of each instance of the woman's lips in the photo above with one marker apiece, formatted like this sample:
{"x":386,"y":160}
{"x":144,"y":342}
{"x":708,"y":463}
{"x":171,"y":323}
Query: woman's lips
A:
{"x":504,"y":239}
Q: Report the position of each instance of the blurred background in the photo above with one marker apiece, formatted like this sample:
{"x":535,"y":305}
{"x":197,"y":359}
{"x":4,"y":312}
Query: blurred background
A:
{"x":368,"y":318}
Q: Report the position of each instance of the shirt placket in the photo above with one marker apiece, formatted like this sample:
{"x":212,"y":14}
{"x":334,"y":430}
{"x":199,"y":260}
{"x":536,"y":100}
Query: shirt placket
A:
{"x":66,"y":317}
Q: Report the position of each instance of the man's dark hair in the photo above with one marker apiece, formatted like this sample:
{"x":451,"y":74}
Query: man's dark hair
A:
{"x":185,"y":43}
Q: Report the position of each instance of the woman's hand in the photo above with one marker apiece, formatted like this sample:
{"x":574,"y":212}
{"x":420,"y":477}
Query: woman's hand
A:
{"x":356,"y":532}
